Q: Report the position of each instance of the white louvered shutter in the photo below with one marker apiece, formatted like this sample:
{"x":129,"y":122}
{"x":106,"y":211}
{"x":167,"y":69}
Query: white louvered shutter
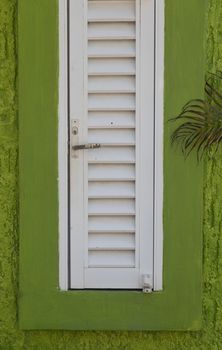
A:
{"x":112,"y":104}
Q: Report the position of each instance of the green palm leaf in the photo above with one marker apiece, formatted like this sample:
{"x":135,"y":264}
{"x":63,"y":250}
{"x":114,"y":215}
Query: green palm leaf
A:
{"x":199,"y":125}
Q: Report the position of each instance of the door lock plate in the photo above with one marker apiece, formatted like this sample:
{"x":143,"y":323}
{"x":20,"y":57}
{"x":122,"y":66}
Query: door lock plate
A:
{"x":74,"y":137}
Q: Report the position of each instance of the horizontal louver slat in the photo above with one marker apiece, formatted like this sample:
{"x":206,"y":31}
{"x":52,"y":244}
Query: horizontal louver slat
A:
{"x":111,"y":223}
{"x":111,"y":83}
{"x":111,"y":188}
{"x":108,"y":30}
{"x":115,"y":100}
{"x":110,"y":206}
{"x":112,"y":136}
{"x":107,"y":10}
{"x":115,"y":48}
{"x":117,"y":171}
{"x":114,"y":65}
{"x":111,"y":240}
{"x":111,"y":119}
{"x":112,"y":154}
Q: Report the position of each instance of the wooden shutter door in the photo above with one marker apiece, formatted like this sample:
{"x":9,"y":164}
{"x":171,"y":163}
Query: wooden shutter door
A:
{"x":111,"y":103}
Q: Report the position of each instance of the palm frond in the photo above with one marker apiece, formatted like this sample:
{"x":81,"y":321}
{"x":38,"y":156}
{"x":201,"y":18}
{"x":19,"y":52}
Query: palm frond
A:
{"x":199,"y":124}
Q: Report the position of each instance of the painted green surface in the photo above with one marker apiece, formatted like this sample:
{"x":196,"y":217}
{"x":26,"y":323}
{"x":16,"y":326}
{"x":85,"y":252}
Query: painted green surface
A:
{"x":210,"y":338}
{"x":41,"y":304}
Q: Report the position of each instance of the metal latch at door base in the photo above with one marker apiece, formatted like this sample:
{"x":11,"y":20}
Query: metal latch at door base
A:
{"x":147,"y":284}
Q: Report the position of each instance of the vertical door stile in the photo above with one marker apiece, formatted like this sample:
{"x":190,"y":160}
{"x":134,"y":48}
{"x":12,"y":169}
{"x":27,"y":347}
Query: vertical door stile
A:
{"x":77,"y":110}
{"x":137,"y":134}
{"x":85,"y":131}
{"x":147,"y":115}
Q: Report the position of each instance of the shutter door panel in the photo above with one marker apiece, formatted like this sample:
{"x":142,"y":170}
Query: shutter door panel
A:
{"x":106,"y":236}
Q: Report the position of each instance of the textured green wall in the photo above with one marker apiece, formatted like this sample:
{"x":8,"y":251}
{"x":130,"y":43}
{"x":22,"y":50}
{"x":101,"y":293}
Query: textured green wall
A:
{"x":210,"y":338}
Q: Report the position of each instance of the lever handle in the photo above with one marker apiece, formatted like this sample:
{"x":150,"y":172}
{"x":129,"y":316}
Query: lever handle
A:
{"x":86,"y":146}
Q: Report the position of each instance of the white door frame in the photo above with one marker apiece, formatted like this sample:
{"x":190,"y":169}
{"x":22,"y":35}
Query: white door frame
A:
{"x":63,"y":156}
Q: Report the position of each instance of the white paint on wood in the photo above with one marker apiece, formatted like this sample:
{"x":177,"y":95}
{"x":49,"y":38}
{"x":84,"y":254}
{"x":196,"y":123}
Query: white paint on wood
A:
{"x":120,"y":32}
{"x":77,"y":112}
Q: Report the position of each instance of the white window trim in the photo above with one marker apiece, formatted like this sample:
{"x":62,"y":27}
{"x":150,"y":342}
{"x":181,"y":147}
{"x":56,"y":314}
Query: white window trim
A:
{"x":63,"y":146}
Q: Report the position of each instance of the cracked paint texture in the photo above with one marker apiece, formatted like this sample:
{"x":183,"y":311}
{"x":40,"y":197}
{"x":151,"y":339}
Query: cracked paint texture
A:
{"x":210,"y":338}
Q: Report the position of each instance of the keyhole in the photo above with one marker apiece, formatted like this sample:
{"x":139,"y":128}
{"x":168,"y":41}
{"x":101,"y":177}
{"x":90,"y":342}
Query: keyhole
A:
{"x":75,"y":130}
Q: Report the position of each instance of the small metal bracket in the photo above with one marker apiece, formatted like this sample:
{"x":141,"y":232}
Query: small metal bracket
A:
{"x":147,"y":283}
{"x":74,"y":137}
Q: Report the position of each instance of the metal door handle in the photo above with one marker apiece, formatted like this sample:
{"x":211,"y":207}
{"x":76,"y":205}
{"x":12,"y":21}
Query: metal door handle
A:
{"x":86,"y":146}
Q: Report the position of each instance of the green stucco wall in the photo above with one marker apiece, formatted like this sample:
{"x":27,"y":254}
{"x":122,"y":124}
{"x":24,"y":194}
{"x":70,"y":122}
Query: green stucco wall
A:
{"x":210,"y":338}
